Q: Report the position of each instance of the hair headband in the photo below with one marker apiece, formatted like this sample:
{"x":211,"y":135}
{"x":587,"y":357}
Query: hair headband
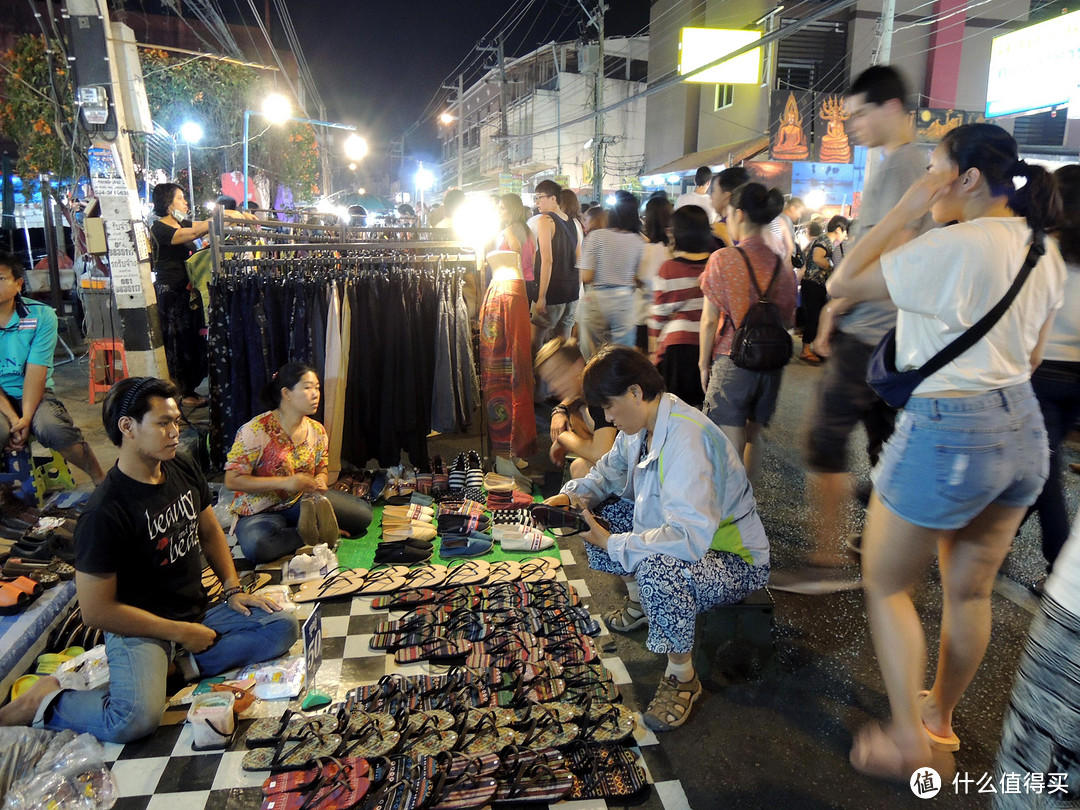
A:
{"x":133,"y":394}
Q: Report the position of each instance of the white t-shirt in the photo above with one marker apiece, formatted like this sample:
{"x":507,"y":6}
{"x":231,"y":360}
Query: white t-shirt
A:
{"x":945,"y":280}
{"x":702,"y":201}
{"x":1063,"y":343}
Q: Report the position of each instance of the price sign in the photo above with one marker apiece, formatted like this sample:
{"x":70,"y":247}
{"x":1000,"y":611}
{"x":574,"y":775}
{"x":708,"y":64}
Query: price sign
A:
{"x":313,"y":643}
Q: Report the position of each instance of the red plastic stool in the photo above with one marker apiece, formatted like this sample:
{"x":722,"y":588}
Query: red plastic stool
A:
{"x":106,"y":349}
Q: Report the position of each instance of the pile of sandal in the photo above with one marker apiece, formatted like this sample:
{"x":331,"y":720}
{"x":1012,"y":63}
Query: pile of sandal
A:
{"x":405,"y":582}
{"x":446,"y":741}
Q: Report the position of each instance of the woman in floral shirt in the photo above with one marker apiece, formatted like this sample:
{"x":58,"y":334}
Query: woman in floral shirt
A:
{"x":279,"y":457}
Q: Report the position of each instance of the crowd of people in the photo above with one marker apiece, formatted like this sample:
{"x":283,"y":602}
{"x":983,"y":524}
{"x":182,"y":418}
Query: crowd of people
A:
{"x":638,"y":328}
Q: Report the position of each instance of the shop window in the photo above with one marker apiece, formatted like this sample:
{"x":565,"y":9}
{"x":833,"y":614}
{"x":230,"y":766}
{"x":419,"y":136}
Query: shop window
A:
{"x":725,"y":96}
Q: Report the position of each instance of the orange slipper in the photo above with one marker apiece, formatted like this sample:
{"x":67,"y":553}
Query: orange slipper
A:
{"x":937,"y":742}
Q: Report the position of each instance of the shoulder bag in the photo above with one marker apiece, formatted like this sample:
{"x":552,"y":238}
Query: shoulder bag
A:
{"x":896,"y":387}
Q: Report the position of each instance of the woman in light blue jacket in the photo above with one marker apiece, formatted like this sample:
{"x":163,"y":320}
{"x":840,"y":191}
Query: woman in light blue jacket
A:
{"x":696,"y":540}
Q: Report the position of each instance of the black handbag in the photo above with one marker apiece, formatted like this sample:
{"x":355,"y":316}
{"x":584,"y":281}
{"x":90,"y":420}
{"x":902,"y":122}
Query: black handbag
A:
{"x":896,"y":387}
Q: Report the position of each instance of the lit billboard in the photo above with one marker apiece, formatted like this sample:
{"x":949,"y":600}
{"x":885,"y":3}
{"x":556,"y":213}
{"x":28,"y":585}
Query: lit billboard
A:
{"x":1035,"y":67}
{"x":700,"y":46}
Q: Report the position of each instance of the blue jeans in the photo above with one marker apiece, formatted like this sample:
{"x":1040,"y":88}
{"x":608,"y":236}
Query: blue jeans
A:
{"x":130,"y":705}
{"x":951,"y":457}
{"x":270,"y":535}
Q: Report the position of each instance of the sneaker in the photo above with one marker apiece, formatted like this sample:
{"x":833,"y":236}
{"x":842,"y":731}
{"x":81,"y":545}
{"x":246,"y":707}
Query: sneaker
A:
{"x":671,"y":705}
{"x":815,"y":580}
{"x":474,"y":544}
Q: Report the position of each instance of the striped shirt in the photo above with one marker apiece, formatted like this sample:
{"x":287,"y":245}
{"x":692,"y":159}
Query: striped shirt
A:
{"x":677,"y":304}
{"x":613,"y":256}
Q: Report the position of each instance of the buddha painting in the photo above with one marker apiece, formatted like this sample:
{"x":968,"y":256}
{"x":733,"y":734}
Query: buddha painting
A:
{"x":835,"y":146}
{"x":791,"y":143}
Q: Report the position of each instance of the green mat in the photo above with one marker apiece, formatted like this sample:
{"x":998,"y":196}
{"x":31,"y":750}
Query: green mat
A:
{"x":360,"y":552}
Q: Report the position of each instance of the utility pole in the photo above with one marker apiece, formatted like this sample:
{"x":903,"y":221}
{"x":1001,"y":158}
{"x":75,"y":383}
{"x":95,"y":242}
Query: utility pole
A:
{"x":558,"y":110}
{"x":459,"y":104}
{"x":104,"y":91}
{"x":328,"y":179}
{"x":596,"y":20}
{"x":885,"y":32}
{"x":504,"y":140}
{"x":461,"y":130}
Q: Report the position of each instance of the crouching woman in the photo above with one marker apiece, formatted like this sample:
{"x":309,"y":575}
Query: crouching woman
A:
{"x":696,"y":541}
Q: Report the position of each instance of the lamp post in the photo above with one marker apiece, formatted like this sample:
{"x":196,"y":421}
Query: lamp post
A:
{"x":276,"y":109}
{"x":190,"y":132}
{"x":424,"y":180}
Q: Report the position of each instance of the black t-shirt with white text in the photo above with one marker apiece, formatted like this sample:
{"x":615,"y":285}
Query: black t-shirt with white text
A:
{"x":148,"y":535}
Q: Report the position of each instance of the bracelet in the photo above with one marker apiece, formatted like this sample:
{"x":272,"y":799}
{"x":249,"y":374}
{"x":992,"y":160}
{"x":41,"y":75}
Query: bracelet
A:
{"x":560,"y":409}
{"x":229,"y":594}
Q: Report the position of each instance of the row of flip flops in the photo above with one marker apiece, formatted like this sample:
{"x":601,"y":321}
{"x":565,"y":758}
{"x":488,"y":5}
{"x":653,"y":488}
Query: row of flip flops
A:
{"x":349,"y":582}
{"x":517,"y":685}
{"x":448,"y":781}
{"x":541,"y":593}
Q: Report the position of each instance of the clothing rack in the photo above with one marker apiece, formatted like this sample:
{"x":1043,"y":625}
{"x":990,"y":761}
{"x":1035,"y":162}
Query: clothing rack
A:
{"x":382,"y":261}
{"x":229,"y":237}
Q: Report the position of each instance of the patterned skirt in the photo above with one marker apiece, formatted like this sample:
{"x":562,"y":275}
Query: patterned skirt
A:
{"x":506,"y":373}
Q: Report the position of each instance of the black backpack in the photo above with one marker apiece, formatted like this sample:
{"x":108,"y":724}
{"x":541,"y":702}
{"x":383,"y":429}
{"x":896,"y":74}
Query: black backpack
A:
{"x":761,"y":342}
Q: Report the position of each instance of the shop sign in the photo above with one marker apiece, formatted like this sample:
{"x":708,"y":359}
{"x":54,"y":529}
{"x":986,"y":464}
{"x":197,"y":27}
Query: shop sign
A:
{"x":700,"y":46}
{"x":1034,"y":68}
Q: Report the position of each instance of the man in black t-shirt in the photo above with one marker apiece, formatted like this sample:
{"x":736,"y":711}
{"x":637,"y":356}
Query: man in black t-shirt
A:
{"x":138,"y":576}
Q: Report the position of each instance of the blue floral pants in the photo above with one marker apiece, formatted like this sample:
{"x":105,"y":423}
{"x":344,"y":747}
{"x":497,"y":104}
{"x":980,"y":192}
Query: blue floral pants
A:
{"x":674,"y":592}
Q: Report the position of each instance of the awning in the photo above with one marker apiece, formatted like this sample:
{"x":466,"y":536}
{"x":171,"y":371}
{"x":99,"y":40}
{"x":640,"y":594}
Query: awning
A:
{"x":729,"y":154}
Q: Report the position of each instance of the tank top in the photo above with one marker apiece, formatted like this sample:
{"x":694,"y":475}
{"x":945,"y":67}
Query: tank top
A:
{"x":564,"y":285}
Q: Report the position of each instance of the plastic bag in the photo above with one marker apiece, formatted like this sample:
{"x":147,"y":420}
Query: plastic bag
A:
{"x":307,"y":567}
{"x":283,"y":678}
{"x":71,"y":774}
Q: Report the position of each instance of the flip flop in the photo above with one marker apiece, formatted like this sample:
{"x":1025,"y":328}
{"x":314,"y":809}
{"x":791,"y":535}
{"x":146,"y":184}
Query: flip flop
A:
{"x":467,"y":572}
{"x":874,"y":753}
{"x":535,"y":783}
{"x":290,"y":726}
{"x":336,"y":585}
{"x":537,"y":570}
{"x":504,"y":571}
{"x":431,"y":575}
{"x":383,"y":581}
{"x":434,"y":649}
{"x":300,"y":780}
{"x":467,"y":791}
{"x":290,"y":756}
{"x":938,"y":742}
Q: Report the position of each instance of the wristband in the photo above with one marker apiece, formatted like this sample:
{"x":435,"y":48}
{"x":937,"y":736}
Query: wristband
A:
{"x":229,"y":594}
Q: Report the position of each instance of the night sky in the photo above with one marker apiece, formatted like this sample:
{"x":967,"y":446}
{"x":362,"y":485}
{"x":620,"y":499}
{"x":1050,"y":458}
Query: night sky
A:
{"x":377,"y":64}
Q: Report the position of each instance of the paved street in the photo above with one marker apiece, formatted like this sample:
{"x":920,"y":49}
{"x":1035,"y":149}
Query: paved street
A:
{"x":779,"y":737}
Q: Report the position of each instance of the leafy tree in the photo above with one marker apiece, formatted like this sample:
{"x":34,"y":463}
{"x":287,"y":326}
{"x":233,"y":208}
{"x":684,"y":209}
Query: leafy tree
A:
{"x":215,"y":94}
{"x":37,"y":109}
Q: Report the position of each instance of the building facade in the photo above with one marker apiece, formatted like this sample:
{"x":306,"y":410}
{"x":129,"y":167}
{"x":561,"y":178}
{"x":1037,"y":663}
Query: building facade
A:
{"x":549,"y":96}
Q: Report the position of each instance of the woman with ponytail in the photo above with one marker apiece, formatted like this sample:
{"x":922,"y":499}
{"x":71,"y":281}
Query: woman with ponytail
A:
{"x":738,"y":400}
{"x":969,"y":453}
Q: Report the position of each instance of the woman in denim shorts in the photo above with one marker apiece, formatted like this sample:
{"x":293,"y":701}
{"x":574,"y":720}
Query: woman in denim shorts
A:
{"x":969,"y":453}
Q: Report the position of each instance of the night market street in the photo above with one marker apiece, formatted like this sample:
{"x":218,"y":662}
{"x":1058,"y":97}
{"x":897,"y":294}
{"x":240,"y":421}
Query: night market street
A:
{"x":780,"y":737}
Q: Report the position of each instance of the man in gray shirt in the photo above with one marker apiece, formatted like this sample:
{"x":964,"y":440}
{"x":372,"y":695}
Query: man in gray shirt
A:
{"x":847,"y":335}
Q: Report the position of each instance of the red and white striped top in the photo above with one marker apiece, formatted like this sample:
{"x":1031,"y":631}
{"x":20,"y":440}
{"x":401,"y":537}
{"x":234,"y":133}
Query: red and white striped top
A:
{"x":677,"y":303}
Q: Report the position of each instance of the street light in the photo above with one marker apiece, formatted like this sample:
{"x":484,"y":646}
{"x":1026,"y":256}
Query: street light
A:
{"x":355,"y":148}
{"x":277,"y":109}
{"x":190,"y":132}
{"x":424,"y":181}
{"x":446,"y":118}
